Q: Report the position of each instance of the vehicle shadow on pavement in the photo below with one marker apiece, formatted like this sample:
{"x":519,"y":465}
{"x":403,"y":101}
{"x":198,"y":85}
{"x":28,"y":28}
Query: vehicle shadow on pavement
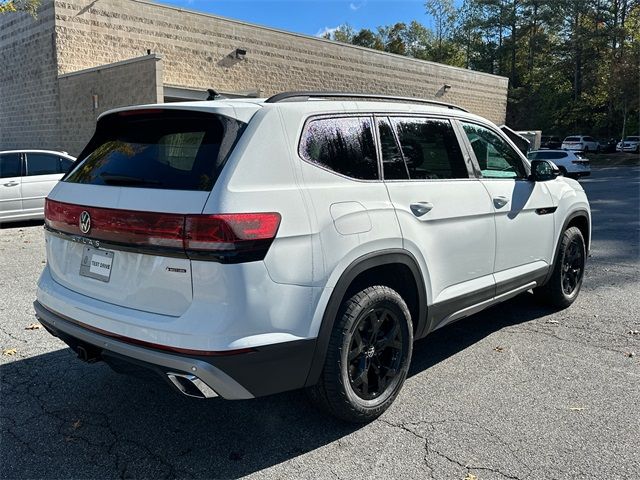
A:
{"x":26,"y":223}
{"x":454,"y":338}
{"x":63,"y":418}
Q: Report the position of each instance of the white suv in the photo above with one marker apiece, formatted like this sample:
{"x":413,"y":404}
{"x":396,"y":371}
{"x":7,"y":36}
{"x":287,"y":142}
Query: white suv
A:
{"x":569,"y":163}
{"x":581,"y":144}
{"x":246,"y":247}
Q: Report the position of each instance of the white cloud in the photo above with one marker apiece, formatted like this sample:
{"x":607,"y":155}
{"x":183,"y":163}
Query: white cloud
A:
{"x":356,"y":6}
{"x":326,"y":30}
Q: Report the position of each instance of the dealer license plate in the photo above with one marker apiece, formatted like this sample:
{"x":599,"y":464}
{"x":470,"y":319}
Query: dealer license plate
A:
{"x":96,"y":264}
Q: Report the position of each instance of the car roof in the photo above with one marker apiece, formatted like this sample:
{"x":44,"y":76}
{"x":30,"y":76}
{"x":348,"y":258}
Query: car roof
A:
{"x":35,"y":150}
{"x":244,"y":108}
{"x":555,"y":150}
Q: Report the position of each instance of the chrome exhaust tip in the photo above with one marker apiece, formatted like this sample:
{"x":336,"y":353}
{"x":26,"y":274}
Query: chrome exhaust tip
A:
{"x":190,"y":385}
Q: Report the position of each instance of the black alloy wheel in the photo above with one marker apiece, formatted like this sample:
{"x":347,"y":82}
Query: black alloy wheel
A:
{"x":375,"y":353}
{"x":368,"y":356}
{"x":572,"y":267}
{"x":566,"y":279}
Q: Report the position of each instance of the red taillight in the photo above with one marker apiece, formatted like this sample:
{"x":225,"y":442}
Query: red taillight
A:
{"x":233,"y":237}
{"x":228,"y":231}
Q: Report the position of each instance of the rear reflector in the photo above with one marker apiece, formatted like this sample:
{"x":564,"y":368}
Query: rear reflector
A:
{"x":228,"y":238}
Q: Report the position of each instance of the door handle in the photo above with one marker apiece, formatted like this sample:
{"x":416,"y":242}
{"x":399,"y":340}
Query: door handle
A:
{"x":11,"y":184}
{"x":500,"y":201}
{"x":420,"y":208}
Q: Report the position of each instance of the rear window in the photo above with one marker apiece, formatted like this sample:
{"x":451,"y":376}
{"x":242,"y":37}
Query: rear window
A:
{"x":168,"y":149}
{"x":546,"y":155}
{"x":572,"y":139}
{"x":342,"y":145}
{"x":10,"y":165}
{"x":632,"y":139}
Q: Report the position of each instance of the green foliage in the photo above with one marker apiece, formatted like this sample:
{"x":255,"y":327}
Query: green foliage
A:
{"x":28,"y":6}
{"x":573,"y":65}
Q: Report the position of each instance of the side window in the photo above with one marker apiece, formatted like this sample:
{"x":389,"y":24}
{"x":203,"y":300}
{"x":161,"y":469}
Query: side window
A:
{"x":10,"y":165}
{"x":392,"y":162}
{"x":42,"y":164}
{"x":495,"y":156}
{"x":343,"y":145}
{"x":430,"y":148}
{"x":65,"y":165}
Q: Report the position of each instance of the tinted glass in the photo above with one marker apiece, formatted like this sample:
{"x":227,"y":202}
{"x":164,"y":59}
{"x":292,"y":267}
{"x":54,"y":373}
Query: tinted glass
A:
{"x":392,"y":161}
{"x":495,"y":156}
{"x":343,"y":145}
{"x":169,"y":149}
{"x":10,"y":165}
{"x":572,"y":139}
{"x":547,"y":155}
{"x":42,"y":164}
{"x":430,"y":148}
{"x":65,"y":164}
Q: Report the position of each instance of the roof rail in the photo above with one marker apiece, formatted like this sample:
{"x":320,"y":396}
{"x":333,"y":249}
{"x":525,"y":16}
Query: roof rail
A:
{"x":304,"y":96}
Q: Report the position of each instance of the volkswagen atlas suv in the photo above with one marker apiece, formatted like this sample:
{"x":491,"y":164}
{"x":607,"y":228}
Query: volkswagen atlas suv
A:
{"x":569,"y":163}
{"x":241,"y":248}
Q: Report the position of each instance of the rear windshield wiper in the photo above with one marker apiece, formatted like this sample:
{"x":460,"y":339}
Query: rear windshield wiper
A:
{"x":115,"y":179}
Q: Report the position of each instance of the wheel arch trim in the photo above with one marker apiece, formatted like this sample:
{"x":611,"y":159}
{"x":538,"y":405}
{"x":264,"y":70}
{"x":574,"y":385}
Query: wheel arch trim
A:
{"x":572,"y":216}
{"x":358,"y":266}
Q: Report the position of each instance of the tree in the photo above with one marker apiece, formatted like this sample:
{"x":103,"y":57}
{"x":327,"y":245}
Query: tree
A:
{"x":29,"y":6}
{"x":443,"y":13}
{"x":366,"y":38}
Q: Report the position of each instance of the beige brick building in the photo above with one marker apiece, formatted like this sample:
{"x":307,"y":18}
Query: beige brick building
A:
{"x":82,"y":57}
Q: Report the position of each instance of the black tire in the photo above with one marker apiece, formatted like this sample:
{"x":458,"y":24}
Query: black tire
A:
{"x":341,"y":389}
{"x":586,"y":150}
{"x":568,"y":272}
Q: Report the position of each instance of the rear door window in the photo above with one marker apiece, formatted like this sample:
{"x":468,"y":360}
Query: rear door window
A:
{"x":343,"y":145}
{"x":167,"y":149}
{"x":42,"y":164}
{"x":393,"y":164}
{"x":430,"y":148}
{"x":10,"y":165}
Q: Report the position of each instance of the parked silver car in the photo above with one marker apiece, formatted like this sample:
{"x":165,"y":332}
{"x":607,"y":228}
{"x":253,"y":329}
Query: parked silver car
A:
{"x":26,"y":178}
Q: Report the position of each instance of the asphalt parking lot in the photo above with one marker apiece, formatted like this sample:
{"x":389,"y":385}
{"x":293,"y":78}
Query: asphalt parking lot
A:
{"x":518,"y":391}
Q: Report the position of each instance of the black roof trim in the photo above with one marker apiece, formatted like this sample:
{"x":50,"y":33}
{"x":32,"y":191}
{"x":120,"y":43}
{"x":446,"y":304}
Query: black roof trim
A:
{"x":304,"y":96}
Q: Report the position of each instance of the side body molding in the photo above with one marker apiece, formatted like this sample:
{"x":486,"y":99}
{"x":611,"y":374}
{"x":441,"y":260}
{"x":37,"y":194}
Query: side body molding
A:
{"x":362,"y":264}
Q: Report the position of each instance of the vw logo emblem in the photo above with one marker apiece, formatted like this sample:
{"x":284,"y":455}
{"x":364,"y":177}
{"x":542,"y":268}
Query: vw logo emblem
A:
{"x":85,"y":222}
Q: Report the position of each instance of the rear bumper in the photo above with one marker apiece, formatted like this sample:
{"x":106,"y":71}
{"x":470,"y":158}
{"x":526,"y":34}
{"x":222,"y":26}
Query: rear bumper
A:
{"x":262,"y":371}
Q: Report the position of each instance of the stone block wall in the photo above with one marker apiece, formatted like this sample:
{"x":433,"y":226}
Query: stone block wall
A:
{"x":85,"y":94}
{"x":197,"y":53}
{"x":29,"y":105}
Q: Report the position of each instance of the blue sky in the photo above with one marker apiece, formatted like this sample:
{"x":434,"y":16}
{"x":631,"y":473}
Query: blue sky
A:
{"x":311,"y":17}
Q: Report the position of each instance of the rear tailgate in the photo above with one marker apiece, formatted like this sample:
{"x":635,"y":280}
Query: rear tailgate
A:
{"x":115,"y":224}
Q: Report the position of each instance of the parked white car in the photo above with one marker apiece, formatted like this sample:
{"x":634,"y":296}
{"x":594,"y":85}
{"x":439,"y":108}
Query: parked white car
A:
{"x":241,"y":248}
{"x":581,"y":143}
{"x":570,"y":163}
{"x":26,"y":178}
{"x":629,"y":144}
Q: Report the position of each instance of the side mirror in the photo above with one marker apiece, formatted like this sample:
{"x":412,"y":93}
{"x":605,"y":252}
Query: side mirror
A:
{"x":543,"y":170}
